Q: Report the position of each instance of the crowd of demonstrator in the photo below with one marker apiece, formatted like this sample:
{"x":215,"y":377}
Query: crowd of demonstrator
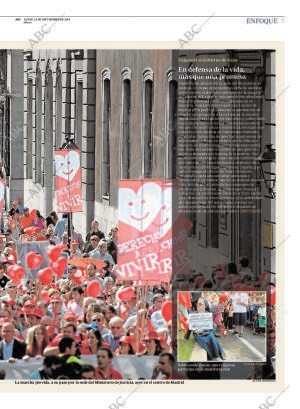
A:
{"x":61,"y":322}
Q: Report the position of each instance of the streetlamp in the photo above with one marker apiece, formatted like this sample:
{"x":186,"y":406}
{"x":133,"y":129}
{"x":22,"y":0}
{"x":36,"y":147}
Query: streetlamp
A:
{"x":265,"y":160}
{"x":69,"y":145}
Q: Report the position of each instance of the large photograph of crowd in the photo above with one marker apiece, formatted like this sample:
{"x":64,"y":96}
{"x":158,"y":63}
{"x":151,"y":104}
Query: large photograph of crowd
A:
{"x":109,"y":269}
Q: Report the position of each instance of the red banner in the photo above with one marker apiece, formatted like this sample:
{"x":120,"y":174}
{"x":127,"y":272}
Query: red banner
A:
{"x":68,"y":181}
{"x":152,"y":236}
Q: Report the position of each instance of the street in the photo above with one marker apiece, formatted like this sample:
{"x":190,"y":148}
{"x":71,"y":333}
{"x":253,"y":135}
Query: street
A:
{"x":250,"y":347}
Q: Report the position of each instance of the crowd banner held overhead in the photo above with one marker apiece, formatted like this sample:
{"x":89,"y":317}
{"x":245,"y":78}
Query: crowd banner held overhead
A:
{"x":68,"y":181}
{"x":152,"y":235}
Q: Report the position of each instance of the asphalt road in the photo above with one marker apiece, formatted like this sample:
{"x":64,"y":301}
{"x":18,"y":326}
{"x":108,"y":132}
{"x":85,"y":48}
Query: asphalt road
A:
{"x":250,"y":347}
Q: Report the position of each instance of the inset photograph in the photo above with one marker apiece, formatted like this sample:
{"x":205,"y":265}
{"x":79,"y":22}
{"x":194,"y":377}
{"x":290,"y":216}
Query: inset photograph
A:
{"x":221,"y":326}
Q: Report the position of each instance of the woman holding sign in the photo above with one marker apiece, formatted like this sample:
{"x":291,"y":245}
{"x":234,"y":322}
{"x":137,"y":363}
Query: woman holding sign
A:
{"x":202,"y":325}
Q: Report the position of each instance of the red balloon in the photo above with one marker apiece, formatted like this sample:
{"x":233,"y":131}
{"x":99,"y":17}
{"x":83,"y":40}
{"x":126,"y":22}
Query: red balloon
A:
{"x":223,"y":298}
{"x":94,"y":289}
{"x":59,"y":266}
{"x":126,"y":294}
{"x":79,"y":277}
{"x":53,"y":252}
{"x":15,"y":273}
{"x":29,"y":231}
{"x":45,"y":275}
{"x":34,"y":260}
{"x":166,"y":310}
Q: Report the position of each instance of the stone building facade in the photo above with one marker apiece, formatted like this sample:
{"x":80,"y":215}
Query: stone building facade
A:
{"x":138,"y":136}
{"x":122,"y":109}
{"x":59,"y":102}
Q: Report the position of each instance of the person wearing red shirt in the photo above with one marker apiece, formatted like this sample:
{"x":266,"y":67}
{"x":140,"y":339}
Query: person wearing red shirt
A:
{"x":104,"y":369}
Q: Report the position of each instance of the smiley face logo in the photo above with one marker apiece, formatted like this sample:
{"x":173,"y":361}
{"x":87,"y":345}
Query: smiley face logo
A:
{"x":140,"y":209}
{"x":67,"y":166}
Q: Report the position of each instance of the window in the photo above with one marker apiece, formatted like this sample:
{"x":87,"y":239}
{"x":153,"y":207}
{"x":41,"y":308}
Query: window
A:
{"x":58,"y":105}
{"x":48,"y":139}
{"x":78,"y":116}
{"x":125,"y":141}
{"x":171,"y":159}
{"x":29,"y":129}
{"x":38,"y":126}
{"x":5,"y":133}
{"x":105,"y":134}
{"x":147,"y":123}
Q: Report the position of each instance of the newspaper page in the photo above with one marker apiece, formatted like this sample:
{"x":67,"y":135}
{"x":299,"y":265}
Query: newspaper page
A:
{"x":139,"y":214}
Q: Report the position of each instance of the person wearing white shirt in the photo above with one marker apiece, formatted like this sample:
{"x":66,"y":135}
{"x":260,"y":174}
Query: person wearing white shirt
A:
{"x":10,"y":347}
{"x":76,"y":304}
{"x":91,"y":275}
{"x":101,"y":253}
{"x":240,"y":303}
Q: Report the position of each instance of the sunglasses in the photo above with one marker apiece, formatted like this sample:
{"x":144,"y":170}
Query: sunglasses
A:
{"x":98,"y":320}
{"x":115,"y":327}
